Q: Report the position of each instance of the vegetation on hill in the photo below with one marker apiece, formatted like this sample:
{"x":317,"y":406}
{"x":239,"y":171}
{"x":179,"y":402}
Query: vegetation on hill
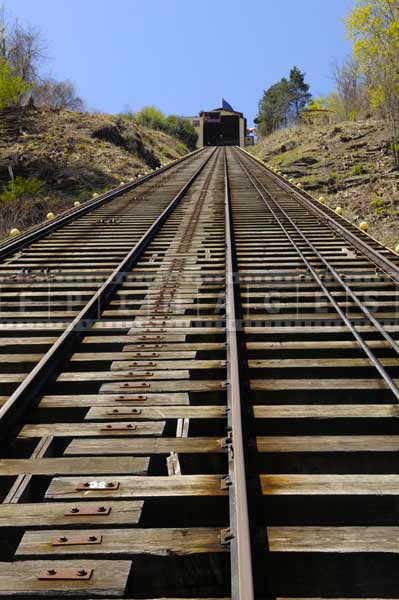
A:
{"x":60,"y":156}
{"x":180,"y":128}
{"x":350,"y":163}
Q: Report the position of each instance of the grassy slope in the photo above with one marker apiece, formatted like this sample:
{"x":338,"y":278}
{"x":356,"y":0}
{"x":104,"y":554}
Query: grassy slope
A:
{"x":349,"y":163}
{"x":74,"y":155}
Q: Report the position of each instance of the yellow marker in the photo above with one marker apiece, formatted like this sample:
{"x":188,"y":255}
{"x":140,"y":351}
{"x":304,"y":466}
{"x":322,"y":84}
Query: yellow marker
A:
{"x":364,"y":226}
{"x":322,"y":200}
{"x":122,"y":183}
{"x":14,"y":232}
{"x":397,"y":249}
{"x":300,"y":185}
{"x":339,"y":210}
{"x":291,"y":180}
{"x":95,"y":195}
{"x":50,"y":216}
{"x":76,"y":204}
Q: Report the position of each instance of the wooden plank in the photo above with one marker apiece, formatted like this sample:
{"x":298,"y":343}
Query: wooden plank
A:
{"x":137,"y":487}
{"x":329,"y":443}
{"x":136,"y":374}
{"x":126,"y":542}
{"x":163,"y":412}
{"x":312,"y":363}
{"x":326,"y":411}
{"x":170,"y":347}
{"x":90,"y":429}
{"x":333,"y":539}
{"x":353,"y":484}
{"x":200,"y":385}
{"x":155,"y":365}
{"x":139,"y":355}
{"x":58,"y":514}
{"x":145,"y":446}
{"x":138,"y":399}
{"x":319,"y":384}
{"x":71,"y":466}
{"x":109,"y":578}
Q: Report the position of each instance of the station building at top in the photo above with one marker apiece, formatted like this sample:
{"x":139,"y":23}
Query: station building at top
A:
{"x":221,"y":127}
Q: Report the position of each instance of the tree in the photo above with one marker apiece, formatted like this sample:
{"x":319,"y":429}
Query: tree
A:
{"x":12,"y":87}
{"x":373,"y":26}
{"x":351,"y":89}
{"x":57,"y":94}
{"x":25,"y":51}
{"x":299,"y":90}
{"x":282,"y":103}
{"x":274,"y":107}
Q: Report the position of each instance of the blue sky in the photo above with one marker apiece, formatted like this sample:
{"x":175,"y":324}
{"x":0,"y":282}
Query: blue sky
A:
{"x":183,"y":55}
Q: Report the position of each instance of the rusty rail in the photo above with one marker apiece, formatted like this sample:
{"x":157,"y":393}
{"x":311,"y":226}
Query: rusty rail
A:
{"x":239,"y":534}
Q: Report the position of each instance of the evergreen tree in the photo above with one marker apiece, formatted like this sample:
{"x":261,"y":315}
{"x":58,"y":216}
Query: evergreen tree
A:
{"x":274,"y":107}
{"x":283,"y":102}
{"x":299,"y":90}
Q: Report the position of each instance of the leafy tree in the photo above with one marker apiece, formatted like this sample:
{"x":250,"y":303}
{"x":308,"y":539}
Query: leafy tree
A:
{"x":180,"y":128}
{"x":12,"y":87}
{"x":299,"y":90}
{"x":373,"y":26}
{"x":151,"y":117}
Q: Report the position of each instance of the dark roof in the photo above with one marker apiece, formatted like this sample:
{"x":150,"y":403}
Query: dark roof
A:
{"x":234,"y":112}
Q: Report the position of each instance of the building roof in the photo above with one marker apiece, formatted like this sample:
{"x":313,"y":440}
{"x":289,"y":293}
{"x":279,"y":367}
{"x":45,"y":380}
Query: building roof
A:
{"x":233,"y":112}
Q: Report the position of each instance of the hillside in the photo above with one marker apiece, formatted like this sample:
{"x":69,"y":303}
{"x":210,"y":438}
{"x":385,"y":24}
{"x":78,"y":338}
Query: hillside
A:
{"x":72,"y":155}
{"x":348,"y":163}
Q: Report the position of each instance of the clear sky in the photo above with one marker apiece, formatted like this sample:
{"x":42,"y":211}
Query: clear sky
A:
{"x":183,"y":55}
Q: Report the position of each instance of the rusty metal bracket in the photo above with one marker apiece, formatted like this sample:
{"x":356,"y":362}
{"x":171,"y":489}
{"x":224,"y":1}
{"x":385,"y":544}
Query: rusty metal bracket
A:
{"x":119,"y":427}
{"x":226,"y":442}
{"x":128,"y":411}
{"x":77,"y":540}
{"x":140,"y":398}
{"x":226,"y":536}
{"x":140,"y":374}
{"x":142,"y":364}
{"x":226,"y":482}
{"x":65,"y":573}
{"x":136,"y":385}
{"x":102,"y":510}
{"x":98,"y":485}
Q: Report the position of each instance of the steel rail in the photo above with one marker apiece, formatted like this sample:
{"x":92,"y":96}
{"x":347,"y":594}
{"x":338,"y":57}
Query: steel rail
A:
{"x":240,"y":544}
{"x":35,"y":381}
{"x":8,"y":247}
{"x":375,"y":361}
{"x":383,"y":263}
{"x":394,"y":345}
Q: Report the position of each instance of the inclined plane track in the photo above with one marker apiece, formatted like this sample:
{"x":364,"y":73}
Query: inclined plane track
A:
{"x":199,"y":386}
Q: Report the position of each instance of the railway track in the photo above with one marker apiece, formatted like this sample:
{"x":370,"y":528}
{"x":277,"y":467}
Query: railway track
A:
{"x":199,"y":395}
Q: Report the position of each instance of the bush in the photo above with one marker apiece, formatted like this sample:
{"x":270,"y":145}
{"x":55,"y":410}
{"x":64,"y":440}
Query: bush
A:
{"x":12,"y":87}
{"x":358,"y":169}
{"x":177,"y":127}
{"x":19,"y":189}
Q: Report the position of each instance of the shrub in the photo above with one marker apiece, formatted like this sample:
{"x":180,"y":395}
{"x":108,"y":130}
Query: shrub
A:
{"x":177,"y":127}
{"x":358,"y":169}
{"x":20,"y":188}
{"x":12,"y":87}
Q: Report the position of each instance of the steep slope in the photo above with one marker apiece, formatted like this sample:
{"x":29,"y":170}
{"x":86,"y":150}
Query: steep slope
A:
{"x":349,"y":163}
{"x":73,"y":155}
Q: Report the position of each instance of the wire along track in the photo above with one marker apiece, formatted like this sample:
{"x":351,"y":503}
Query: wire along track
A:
{"x":199,"y":387}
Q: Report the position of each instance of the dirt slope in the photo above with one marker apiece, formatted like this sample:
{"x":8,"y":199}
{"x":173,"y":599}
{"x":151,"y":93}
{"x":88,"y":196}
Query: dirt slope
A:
{"x":73,"y":155}
{"x":348,"y":163}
